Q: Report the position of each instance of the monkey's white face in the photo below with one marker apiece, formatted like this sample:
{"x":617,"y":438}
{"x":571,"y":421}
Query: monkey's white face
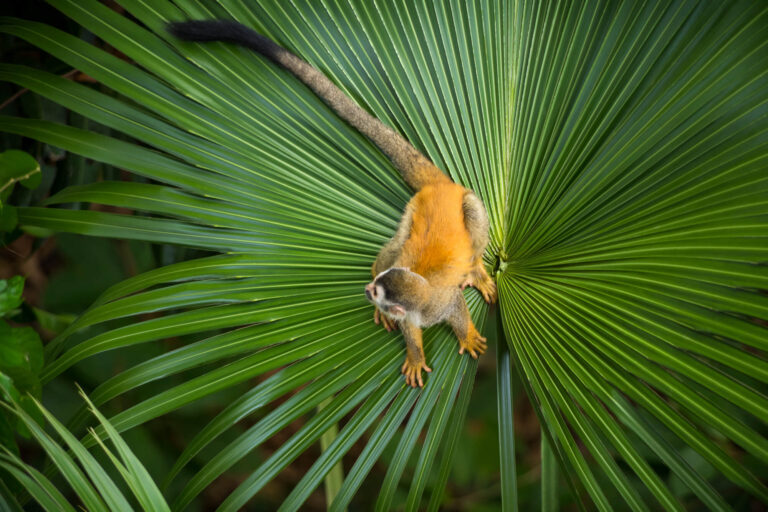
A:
{"x":392,"y":291}
{"x":376,"y":293}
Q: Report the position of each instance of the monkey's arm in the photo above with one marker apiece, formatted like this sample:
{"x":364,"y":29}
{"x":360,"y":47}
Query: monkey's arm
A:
{"x":414,"y":359}
{"x":469,"y":338}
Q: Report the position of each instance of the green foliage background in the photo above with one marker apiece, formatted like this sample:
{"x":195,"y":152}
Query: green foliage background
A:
{"x":620,"y":148}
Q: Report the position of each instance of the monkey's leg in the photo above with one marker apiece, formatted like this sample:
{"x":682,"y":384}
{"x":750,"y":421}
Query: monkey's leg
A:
{"x":476,"y":221}
{"x":414,"y":358}
{"x":470,"y":339}
{"x":480,"y":279}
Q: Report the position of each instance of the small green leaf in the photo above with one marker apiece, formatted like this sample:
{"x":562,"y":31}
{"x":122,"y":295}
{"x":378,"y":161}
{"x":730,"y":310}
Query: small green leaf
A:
{"x":8,"y":218}
{"x":18,"y":166}
{"x":10,"y":294}
{"x":51,"y":321}
{"x":21,"y":357}
{"x":9,"y":391}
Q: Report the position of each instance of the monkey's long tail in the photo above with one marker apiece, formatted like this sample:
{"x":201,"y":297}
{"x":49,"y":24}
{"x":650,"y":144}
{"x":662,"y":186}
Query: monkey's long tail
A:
{"x":417,"y":170}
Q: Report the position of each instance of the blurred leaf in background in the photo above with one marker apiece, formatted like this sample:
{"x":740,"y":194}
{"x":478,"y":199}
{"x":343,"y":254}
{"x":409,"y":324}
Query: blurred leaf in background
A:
{"x":17,"y":167}
{"x":21,"y":360}
{"x":10,"y":294}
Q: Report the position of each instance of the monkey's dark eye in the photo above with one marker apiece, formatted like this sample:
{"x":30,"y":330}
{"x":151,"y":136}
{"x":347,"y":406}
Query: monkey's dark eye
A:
{"x":374,"y":292}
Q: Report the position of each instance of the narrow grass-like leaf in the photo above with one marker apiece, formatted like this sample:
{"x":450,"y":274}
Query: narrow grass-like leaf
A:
{"x":38,"y":486}
{"x":141,"y":483}
{"x":64,"y":463}
{"x":504,"y":408}
{"x":549,"y":474}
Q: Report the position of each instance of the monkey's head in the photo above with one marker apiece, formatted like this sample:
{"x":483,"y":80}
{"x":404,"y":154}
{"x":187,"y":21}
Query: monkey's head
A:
{"x":396,"y":291}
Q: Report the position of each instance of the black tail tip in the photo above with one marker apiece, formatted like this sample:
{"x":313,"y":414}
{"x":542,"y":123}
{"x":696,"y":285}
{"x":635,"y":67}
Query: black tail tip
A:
{"x":178,"y":29}
{"x":202,"y":30}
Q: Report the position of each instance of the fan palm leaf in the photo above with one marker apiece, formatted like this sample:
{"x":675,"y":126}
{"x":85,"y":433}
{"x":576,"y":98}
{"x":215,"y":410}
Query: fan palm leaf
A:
{"x":620,"y":149}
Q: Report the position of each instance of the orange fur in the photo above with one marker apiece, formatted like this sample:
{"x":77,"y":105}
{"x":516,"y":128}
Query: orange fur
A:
{"x":439,"y":246}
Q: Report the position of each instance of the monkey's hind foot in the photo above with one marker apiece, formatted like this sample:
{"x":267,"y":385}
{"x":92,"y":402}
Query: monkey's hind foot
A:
{"x":484,"y":284}
{"x":474,"y":344}
{"x":384,"y":320}
{"x":488,"y":288}
{"x":412,"y":372}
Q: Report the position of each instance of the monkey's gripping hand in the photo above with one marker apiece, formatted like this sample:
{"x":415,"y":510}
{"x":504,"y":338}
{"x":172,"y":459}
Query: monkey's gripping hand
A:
{"x":384,"y":320}
{"x":473,"y":343}
{"x":412,"y":371}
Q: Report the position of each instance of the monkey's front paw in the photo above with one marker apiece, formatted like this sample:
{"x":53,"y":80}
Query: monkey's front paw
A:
{"x":412,"y":372}
{"x":474,"y":344}
{"x":384,"y":320}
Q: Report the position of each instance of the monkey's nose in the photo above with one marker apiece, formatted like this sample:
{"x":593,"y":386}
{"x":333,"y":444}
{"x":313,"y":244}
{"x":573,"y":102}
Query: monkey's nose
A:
{"x":369,"y":291}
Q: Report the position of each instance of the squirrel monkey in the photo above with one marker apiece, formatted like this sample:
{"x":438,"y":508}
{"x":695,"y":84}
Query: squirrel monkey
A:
{"x":419,"y":275}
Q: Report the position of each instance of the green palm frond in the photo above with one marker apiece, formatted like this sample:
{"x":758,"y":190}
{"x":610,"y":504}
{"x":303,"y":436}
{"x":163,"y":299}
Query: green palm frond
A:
{"x":620,"y":148}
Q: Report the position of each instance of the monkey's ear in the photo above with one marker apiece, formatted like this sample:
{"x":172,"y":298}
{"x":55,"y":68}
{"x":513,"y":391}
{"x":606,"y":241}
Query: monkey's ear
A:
{"x":397,"y":311}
